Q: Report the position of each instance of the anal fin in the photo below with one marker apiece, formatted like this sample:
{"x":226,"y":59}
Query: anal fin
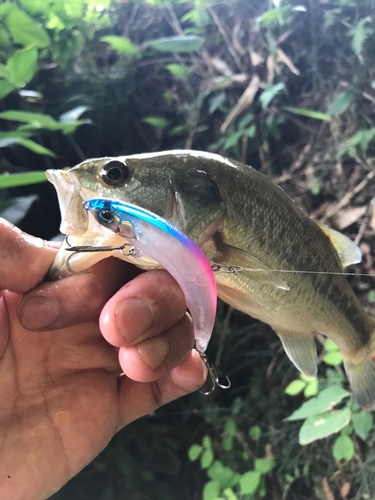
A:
{"x":301,"y":350}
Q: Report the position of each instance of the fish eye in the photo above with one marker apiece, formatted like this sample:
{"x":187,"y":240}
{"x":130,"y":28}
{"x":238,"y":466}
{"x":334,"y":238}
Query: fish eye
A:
{"x":106,"y":216}
{"x":114,"y":173}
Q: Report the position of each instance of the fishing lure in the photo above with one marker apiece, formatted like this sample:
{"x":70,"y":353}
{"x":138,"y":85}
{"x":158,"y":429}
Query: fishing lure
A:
{"x":157,"y":238}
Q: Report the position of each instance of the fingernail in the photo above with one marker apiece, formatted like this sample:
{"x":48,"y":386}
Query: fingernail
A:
{"x":154,"y":351}
{"x":38,"y":313}
{"x":134,"y":317}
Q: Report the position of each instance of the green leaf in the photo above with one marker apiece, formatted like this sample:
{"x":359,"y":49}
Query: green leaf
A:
{"x":211,"y":490}
{"x":340,"y":103}
{"x":269,"y":93}
{"x":180,"y":44}
{"x":255,"y":432}
{"x":22,"y":65}
{"x":38,"y":120}
{"x":333,"y":358}
{"x":250,"y":132}
{"x":315,"y":188}
{"x":179,"y":130}
{"x":323,"y":425}
{"x":4,"y":72}
{"x":207,"y":458}
{"x":263,"y":465}
{"x":309,"y":113}
{"x":15,"y":134}
{"x":249,"y":482}
{"x":230,"y":427}
{"x":21,"y":179}
{"x":225,"y":476}
{"x":311,"y":388}
{"x":216,"y":102}
{"x":5,"y":8}
{"x":325,"y":400}
{"x":363,"y":422}
{"x":207,"y":442}
{"x":36,"y":148}
{"x":194,"y":452}
{"x":72,"y":115}
{"x":343,"y":448}
{"x":155,"y":121}
{"x":371,"y":296}
{"x":295,"y":387}
{"x":227,"y":443}
{"x":330,"y":345}
{"x":6,"y":88}
{"x":25,"y":31}
{"x":359,"y":33}
{"x":179,"y":71}
{"x":233,"y":140}
{"x":229,"y":493}
{"x":245,"y":121}
{"x":121,"y":45}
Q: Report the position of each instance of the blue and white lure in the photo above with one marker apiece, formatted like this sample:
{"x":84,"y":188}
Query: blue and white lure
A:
{"x":148,"y":234}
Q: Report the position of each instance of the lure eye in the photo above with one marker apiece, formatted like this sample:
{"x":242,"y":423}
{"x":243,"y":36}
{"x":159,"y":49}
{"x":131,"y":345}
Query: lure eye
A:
{"x":106,"y":216}
{"x":114,"y":173}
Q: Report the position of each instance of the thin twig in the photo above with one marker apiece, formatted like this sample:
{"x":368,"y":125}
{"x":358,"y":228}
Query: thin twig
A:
{"x":345,"y":200}
{"x":226,"y":38}
{"x":364,"y":223}
{"x":175,"y":22}
{"x":224,"y":331}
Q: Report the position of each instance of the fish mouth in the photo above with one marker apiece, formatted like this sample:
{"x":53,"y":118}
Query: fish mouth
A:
{"x":82,"y":230}
{"x":74,"y":218}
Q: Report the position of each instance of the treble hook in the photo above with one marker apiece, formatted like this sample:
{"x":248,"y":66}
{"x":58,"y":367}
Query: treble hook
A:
{"x":213,"y":376}
{"x":88,"y":248}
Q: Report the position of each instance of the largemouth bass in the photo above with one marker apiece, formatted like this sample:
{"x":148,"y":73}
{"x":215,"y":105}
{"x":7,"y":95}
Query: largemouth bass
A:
{"x":238,"y":217}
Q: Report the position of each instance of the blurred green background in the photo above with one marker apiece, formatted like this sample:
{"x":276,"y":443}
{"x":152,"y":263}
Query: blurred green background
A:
{"x":286,"y":86}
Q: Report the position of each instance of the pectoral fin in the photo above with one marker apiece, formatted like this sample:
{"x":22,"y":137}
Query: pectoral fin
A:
{"x":346,"y":249}
{"x":301,"y":350}
{"x":253,"y":267}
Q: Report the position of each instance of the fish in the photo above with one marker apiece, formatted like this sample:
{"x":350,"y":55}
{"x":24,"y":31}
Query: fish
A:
{"x":238,"y":217}
{"x":150,"y":234}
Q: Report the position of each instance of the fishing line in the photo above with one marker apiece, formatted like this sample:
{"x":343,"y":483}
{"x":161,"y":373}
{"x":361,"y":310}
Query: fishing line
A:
{"x":307,"y":272}
{"x":232,"y":269}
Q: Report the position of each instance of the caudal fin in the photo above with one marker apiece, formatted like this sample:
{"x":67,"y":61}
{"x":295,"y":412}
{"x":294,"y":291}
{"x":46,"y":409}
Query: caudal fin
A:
{"x":362,"y":380}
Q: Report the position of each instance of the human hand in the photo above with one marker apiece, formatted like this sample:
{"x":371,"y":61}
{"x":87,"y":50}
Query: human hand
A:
{"x":63,"y":396}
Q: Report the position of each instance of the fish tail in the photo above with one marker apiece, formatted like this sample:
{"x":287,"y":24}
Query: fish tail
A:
{"x":361,"y":374}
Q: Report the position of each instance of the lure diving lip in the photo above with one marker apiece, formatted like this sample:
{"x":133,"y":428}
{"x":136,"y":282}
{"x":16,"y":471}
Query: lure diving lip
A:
{"x":150,"y":234}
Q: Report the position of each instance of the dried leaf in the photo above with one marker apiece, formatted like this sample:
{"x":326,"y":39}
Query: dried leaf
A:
{"x":221,"y":66}
{"x":256,"y":59}
{"x":282,"y":57}
{"x":327,"y":490}
{"x":243,"y":102}
{"x":347,"y":216}
{"x":345,"y":489}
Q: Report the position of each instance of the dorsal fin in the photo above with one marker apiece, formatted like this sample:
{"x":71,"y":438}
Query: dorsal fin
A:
{"x":346,"y":249}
